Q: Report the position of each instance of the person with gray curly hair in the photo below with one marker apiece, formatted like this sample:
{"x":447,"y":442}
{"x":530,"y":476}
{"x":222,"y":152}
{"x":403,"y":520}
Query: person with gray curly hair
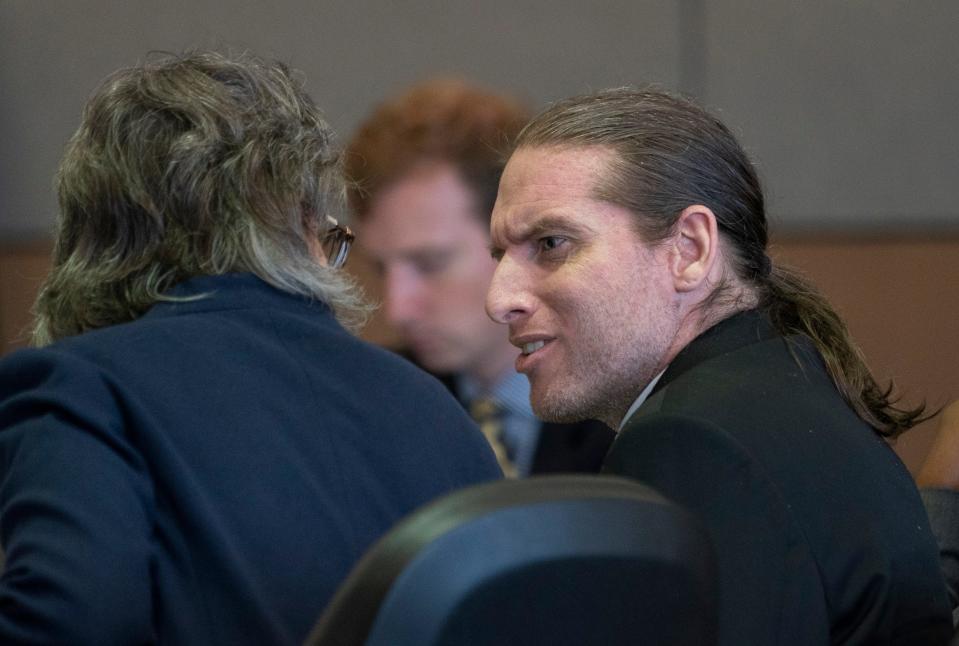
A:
{"x":191,"y":166}
{"x":199,"y":448}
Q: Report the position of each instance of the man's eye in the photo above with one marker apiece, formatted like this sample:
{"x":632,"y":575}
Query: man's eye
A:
{"x":551,"y":243}
{"x":433,"y":263}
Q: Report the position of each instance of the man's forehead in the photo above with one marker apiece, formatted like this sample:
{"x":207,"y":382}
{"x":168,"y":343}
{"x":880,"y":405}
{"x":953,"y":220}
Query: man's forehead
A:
{"x":422,"y":212}
{"x":547,"y":189}
{"x":418,"y":237}
{"x":420,"y":242}
{"x":565,"y":165}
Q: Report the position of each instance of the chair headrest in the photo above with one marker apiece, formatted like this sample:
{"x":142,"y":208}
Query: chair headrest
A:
{"x":551,"y":560}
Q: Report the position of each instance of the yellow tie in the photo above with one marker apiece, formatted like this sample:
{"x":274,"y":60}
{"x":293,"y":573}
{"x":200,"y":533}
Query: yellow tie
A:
{"x":487,"y":413}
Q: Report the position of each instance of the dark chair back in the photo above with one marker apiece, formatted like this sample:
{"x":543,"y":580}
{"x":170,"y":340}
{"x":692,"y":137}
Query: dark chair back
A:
{"x":551,"y":560}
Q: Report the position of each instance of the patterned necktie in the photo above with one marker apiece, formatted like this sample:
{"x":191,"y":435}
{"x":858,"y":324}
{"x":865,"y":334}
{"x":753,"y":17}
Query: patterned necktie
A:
{"x":488,"y":414}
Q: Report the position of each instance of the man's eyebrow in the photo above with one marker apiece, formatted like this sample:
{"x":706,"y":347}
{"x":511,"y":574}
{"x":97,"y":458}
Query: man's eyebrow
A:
{"x":427,"y":252}
{"x":546,"y":225}
{"x":549,"y":224}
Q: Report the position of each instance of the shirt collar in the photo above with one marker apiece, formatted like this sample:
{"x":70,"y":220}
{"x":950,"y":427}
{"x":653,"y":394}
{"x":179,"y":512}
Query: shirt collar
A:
{"x":643,"y":396}
{"x":225,"y":292}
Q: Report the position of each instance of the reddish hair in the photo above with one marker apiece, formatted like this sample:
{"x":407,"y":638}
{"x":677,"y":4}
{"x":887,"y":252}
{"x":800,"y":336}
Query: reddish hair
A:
{"x":440,"y":120}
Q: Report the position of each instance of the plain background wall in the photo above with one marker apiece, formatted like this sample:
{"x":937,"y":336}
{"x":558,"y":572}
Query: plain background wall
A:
{"x":848,"y":107}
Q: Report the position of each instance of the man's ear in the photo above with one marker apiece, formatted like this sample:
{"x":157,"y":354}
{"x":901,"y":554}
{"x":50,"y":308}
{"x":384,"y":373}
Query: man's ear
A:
{"x":695,"y":247}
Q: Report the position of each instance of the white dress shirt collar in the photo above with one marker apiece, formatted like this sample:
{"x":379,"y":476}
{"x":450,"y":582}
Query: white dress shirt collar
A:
{"x":640,"y":400}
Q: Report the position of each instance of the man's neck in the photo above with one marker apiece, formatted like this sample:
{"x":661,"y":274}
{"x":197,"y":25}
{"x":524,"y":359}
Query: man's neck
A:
{"x":728,"y":299}
{"x":696,"y":321}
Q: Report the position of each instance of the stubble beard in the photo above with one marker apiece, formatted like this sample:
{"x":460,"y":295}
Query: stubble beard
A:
{"x":601,"y":380}
{"x":622,"y":340}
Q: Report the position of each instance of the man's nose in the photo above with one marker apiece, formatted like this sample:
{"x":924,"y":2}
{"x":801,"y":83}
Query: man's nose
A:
{"x":403,"y":294}
{"x":508,"y":298}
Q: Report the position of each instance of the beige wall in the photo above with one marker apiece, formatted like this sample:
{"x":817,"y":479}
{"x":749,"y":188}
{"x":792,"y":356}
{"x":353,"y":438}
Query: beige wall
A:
{"x":22,"y":268}
{"x":900,"y":299}
{"x":848,"y":108}
{"x":899,"y":296}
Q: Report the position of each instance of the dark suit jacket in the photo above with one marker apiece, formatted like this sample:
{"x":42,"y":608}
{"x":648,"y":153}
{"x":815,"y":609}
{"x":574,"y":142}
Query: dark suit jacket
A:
{"x":571,"y":448}
{"x":820,"y":534}
{"x":209,"y":473}
{"x":562,"y":448}
{"x":942,"y":506}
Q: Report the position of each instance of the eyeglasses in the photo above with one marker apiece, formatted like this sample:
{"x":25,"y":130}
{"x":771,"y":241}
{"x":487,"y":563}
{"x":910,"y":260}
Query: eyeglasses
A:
{"x":336,"y":243}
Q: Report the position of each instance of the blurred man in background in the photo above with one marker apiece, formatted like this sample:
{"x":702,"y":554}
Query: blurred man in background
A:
{"x":424,"y":169}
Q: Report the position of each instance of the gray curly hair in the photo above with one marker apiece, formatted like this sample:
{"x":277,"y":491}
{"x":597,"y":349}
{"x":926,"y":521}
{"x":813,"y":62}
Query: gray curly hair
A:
{"x":187,"y":165}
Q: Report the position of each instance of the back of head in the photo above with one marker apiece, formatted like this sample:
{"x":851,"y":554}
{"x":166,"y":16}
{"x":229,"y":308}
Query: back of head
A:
{"x":441,"y":120}
{"x":186,"y":165}
{"x":670,"y":153}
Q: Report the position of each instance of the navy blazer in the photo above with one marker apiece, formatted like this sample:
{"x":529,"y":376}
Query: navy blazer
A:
{"x":208,"y":473}
{"x":820,"y":534}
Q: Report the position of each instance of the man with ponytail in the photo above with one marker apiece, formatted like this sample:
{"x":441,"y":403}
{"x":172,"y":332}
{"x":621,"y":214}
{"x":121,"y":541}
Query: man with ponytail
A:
{"x":633,"y":274}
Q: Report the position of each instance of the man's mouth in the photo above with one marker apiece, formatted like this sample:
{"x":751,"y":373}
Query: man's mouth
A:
{"x":530,"y":348}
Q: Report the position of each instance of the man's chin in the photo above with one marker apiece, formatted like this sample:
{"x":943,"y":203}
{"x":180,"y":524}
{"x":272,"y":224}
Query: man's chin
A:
{"x":554,"y":407}
{"x":437,"y":362}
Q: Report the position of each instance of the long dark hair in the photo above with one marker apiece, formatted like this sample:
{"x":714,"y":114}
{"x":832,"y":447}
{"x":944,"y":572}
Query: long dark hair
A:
{"x":669,"y":154}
